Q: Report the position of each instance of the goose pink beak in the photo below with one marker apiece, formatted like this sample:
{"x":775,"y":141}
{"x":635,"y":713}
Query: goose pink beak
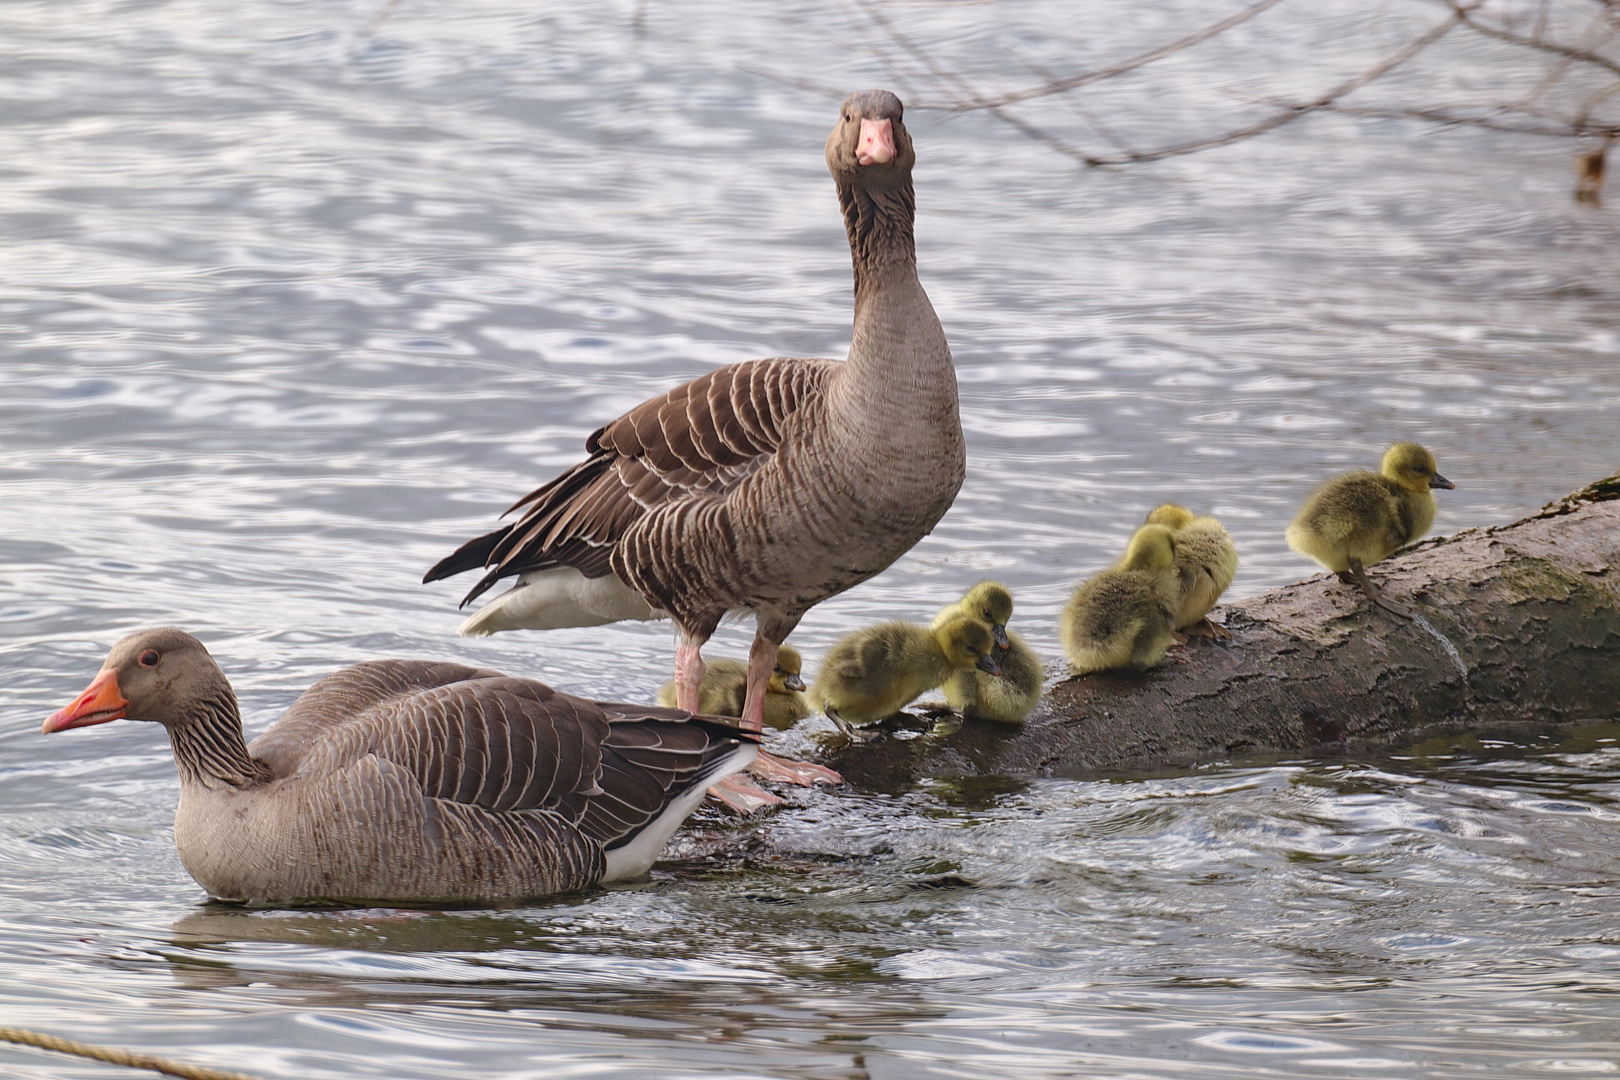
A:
{"x":876,"y":143}
{"x":100,"y":702}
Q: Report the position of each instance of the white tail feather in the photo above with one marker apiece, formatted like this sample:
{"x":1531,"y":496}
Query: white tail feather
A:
{"x":556,"y":598}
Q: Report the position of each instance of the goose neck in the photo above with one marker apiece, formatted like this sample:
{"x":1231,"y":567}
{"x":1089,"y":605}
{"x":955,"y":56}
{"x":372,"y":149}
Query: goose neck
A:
{"x":209,"y":748}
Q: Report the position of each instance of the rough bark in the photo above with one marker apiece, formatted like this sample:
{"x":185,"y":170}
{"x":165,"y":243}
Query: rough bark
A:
{"x":1532,"y":610}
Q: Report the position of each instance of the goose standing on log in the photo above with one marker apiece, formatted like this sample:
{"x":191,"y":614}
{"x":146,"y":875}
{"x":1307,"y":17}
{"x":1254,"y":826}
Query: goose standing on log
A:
{"x":762,"y":487}
{"x":409,"y":780}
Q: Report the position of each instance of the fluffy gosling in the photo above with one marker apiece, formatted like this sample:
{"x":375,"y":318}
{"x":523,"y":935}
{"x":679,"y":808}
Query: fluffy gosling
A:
{"x":1009,"y":697}
{"x":989,"y":602}
{"x":1125,"y":616}
{"x":876,"y":671}
{"x":1206,"y":562}
{"x":725,"y":685}
{"x":1359,"y":518}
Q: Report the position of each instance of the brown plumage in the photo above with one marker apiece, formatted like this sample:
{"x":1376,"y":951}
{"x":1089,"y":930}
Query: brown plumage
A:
{"x":761,"y":487}
{"x":409,"y":780}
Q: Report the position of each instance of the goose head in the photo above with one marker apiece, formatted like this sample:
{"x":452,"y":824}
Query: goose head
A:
{"x":786,"y":677}
{"x":157,"y":675}
{"x":1153,"y":547}
{"x":1412,"y":467}
{"x":990,"y":602}
{"x":968,"y":643}
{"x":870,"y":143}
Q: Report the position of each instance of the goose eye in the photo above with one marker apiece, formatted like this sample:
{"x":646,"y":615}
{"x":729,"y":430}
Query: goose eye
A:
{"x":149,"y":658}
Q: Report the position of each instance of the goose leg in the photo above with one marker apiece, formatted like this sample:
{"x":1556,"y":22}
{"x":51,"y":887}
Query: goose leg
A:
{"x":761,"y":662}
{"x":688,"y":671}
{"x":1359,"y":573}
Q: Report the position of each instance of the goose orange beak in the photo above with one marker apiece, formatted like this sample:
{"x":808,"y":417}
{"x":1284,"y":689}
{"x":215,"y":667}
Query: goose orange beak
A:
{"x":100,"y":702}
{"x":876,"y":142}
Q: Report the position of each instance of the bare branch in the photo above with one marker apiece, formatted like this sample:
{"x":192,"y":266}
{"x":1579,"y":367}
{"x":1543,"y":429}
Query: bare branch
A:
{"x":1294,"y":112}
{"x":1442,"y":115}
{"x":1074,"y":82}
{"x":1465,"y":16}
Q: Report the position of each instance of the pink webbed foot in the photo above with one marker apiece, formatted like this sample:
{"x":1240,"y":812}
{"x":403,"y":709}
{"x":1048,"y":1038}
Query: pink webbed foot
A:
{"x":804,"y":773}
{"x":742,"y":795}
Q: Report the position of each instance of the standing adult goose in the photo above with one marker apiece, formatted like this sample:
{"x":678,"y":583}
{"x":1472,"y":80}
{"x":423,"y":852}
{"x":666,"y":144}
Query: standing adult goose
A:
{"x":761,"y":487}
{"x":409,"y":780}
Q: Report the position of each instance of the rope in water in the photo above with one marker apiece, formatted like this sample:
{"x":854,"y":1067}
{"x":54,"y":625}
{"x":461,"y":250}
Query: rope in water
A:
{"x":114,"y":1056}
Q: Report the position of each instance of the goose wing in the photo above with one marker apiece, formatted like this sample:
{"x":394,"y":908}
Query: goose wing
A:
{"x":701,"y":438}
{"x":493,"y":743}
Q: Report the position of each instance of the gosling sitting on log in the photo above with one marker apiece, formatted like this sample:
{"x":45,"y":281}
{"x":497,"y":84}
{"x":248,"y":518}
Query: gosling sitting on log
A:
{"x":1206,"y":562}
{"x":875,"y":672}
{"x":1359,"y":518}
{"x":1125,"y":616}
{"x":1007,"y":698}
{"x":725,"y":686}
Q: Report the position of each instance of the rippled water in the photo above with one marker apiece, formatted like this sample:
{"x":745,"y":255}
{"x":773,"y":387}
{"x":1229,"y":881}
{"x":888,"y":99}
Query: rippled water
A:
{"x":289,"y":309}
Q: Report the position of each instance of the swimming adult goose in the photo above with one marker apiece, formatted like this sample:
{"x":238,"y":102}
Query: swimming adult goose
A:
{"x":409,"y":780}
{"x":765,"y":486}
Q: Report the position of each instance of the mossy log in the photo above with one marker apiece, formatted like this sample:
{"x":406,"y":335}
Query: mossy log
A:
{"x":1530,"y":612}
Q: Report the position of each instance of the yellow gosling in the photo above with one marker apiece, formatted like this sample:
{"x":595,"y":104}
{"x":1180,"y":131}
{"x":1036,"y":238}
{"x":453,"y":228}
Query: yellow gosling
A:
{"x":1125,"y":616}
{"x":1007,"y":698}
{"x":1206,"y":562}
{"x":1360,"y":518}
{"x":989,"y":602}
{"x":876,"y":671}
{"x":725,"y":685}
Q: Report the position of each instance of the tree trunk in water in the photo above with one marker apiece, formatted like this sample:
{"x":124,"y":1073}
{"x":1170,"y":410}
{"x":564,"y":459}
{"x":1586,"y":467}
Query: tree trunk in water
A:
{"x":1525,"y":634}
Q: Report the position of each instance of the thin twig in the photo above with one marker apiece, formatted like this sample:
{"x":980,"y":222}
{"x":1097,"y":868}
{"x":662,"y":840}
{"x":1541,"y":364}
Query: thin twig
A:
{"x":1465,"y":16}
{"x":1441,"y":116}
{"x":1074,"y":82}
{"x":1294,"y":112}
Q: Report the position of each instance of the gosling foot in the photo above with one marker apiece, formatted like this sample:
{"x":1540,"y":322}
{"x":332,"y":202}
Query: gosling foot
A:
{"x":851,"y":732}
{"x":1205,"y":629}
{"x":742,"y":795}
{"x":1359,"y":575}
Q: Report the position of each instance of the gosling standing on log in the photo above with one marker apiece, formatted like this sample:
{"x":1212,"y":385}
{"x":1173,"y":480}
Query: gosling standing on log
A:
{"x":1360,"y":518}
{"x":1125,"y":617}
{"x":876,"y":671}
{"x":761,"y":487}
{"x":1009,"y":696}
{"x":1206,"y":562}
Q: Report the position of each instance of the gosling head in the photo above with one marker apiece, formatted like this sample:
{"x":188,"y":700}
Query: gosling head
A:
{"x":1153,"y":547}
{"x":156,"y":675}
{"x":1170,"y":515}
{"x":968,"y":643}
{"x":991,"y":602}
{"x":786,"y":677}
{"x":869,"y":141}
{"x":1412,"y":467}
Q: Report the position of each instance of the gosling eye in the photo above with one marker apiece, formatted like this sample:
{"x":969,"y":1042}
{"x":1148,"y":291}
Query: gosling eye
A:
{"x":149,"y":658}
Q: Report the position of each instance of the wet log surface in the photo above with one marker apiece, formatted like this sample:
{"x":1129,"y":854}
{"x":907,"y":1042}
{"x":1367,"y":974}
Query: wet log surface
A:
{"x":1532,"y":610}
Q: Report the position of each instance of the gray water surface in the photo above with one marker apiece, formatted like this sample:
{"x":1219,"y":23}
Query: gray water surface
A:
{"x":288,"y":311}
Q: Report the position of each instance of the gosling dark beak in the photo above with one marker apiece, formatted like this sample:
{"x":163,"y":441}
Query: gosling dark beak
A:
{"x":1438,"y":481}
{"x":988,"y":663}
{"x":793,"y":682}
{"x":999,"y":632}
